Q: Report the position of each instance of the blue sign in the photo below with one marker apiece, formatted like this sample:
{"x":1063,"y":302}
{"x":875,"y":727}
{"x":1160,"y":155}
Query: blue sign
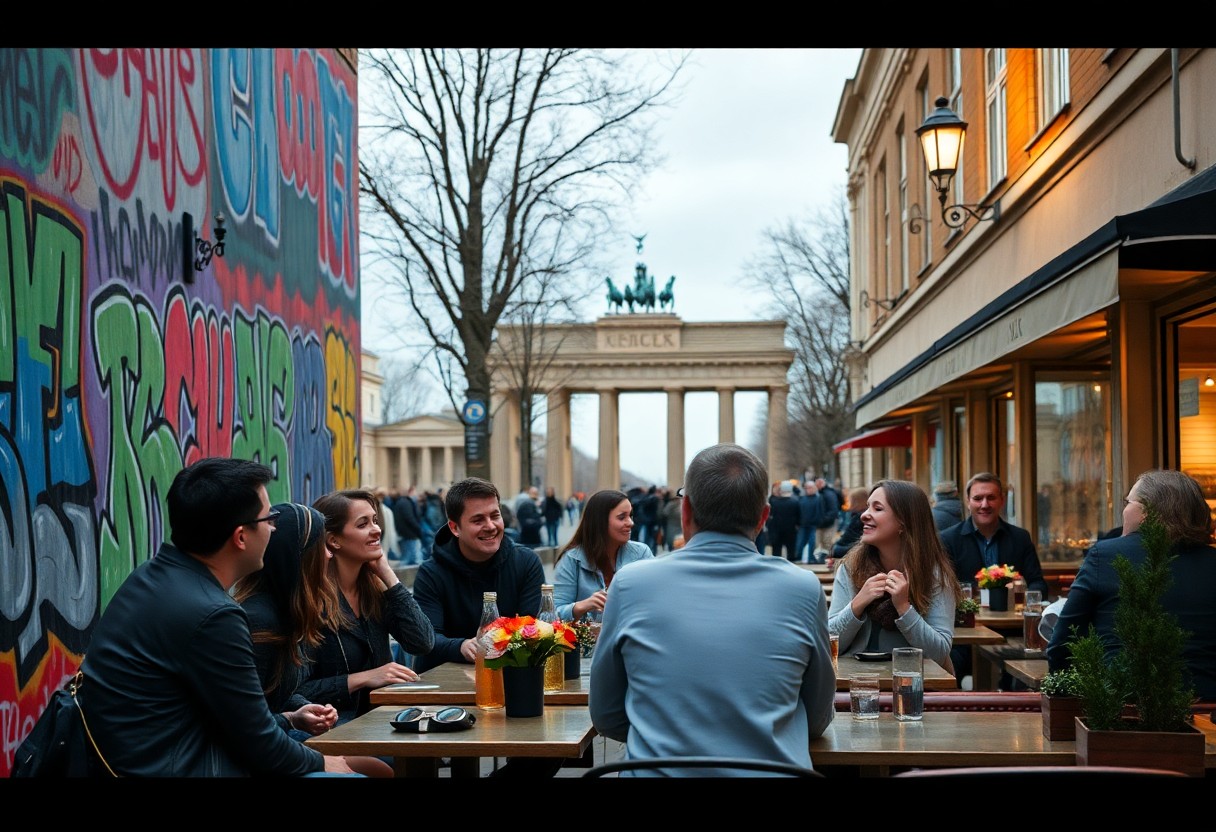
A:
{"x":474,"y":412}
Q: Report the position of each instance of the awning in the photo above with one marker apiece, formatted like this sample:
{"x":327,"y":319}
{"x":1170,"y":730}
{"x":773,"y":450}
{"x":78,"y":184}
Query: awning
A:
{"x":1177,"y":231}
{"x":892,"y":436}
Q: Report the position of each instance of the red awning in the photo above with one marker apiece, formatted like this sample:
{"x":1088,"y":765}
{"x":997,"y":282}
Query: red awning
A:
{"x":892,"y":436}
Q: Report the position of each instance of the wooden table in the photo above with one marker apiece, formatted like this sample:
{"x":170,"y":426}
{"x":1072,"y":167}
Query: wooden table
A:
{"x":952,"y":739}
{"x":827,"y":575}
{"x":1028,"y":671}
{"x":455,"y":680}
{"x":936,"y":677}
{"x":1008,"y":620}
{"x":973,"y":637}
{"x":989,"y":660}
{"x":561,"y":731}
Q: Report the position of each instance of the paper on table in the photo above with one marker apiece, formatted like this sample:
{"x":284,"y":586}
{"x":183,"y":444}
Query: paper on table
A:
{"x":411,"y":686}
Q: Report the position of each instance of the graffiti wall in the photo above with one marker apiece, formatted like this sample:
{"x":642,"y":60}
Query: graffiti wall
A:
{"x":120,"y":362}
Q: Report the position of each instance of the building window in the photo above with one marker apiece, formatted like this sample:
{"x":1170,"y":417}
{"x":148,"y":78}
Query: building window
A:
{"x":1073,"y":462}
{"x":1053,"y":83}
{"x":904,"y":252}
{"x":954,"y":82}
{"x":926,"y":235}
{"x":884,"y":214}
{"x":994,"y":85}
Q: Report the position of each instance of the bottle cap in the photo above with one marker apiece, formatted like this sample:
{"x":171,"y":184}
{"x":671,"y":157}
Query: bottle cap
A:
{"x":544,"y":587}
{"x":489,"y":596}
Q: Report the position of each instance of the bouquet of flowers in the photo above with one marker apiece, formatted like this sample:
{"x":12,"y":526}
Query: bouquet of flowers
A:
{"x":523,"y":641}
{"x":996,"y":576}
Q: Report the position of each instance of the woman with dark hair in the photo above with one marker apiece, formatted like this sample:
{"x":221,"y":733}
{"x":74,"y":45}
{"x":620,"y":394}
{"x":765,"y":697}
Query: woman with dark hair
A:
{"x":896,"y":587}
{"x":290,"y":601}
{"x":354,"y":656}
{"x":599,"y":548}
{"x":1178,"y":502}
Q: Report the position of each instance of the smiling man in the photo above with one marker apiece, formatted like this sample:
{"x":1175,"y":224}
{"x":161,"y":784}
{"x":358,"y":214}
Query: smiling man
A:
{"x":472,"y":555}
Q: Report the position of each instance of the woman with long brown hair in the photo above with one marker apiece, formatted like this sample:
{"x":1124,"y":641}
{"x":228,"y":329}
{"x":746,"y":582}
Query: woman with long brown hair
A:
{"x":896,"y":587}
{"x":599,"y":547}
{"x":354,"y":656}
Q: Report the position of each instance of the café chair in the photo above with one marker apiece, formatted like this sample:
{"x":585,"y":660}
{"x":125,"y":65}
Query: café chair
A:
{"x":740,"y":763}
{"x":1096,"y":774}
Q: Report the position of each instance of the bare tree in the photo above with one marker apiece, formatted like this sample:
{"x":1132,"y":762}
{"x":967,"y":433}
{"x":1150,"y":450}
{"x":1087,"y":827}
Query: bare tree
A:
{"x":482,"y":168}
{"x":805,"y":270}
{"x":406,"y":391}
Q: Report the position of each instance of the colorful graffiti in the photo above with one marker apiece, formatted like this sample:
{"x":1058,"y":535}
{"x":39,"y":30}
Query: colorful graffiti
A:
{"x":116,"y":369}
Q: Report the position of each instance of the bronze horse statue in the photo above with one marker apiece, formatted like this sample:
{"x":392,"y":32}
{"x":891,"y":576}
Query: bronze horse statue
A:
{"x":643,"y":289}
{"x":615,"y":298}
{"x":667,"y":297}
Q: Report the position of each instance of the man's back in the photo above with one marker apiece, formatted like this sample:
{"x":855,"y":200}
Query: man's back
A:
{"x":171,"y":688}
{"x":685,"y":668}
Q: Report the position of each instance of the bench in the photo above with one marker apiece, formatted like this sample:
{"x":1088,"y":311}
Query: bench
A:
{"x":961,"y":700}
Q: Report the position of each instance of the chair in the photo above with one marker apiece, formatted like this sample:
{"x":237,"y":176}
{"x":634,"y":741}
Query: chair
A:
{"x":740,"y":763}
{"x":1042,"y":774}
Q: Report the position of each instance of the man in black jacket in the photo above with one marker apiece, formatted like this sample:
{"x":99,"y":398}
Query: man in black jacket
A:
{"x":171,"y":688}
{"x":409,"y":526}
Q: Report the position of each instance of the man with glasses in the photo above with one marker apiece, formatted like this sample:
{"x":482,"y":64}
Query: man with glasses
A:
{"x":718,"y":629}
{"x":170,"y":685}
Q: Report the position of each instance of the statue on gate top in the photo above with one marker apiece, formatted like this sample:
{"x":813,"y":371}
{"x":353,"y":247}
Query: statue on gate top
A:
{"x":641,"y":294}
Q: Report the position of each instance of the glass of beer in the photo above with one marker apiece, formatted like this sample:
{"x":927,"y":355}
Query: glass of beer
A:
{"x":835,"y":642}
{"x":1032,"y":614}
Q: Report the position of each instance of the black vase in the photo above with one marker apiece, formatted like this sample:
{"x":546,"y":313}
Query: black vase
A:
{"x":574,"y":663}
{"x":998,"y":599}
{"x":524,"y":688}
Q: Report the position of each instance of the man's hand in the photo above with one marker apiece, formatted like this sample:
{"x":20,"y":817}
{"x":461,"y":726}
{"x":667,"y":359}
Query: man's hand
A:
{"x":313,"y":718}
{"x":468,"y":649}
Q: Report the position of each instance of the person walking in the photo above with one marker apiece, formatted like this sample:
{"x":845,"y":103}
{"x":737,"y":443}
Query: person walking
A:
{"x":552,"y":511}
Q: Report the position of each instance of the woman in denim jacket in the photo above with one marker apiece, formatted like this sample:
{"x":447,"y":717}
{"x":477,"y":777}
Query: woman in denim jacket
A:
{"x":599,"y":548}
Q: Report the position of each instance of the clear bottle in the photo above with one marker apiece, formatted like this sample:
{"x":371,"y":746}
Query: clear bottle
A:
{"x":487,"y":682}
{"x":1019,"y":594}
{"x":555,"y":665}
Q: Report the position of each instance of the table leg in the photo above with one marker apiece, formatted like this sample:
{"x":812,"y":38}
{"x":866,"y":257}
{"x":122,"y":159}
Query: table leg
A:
{"x":415,"y":766}
{"x":466,"y":767}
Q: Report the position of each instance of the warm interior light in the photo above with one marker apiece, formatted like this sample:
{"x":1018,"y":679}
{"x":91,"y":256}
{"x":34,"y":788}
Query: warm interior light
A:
{"x":1207,"y":382}
{"x":1009,"y":394}
{"x":1097,"y":388}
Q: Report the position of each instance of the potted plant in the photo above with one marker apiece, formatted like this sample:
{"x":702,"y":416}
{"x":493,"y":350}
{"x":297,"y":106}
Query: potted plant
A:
{"x":520,"y":645}
{"x":995,"y":580}
{"x":1061,"y":704}
{"x":964,"y":613}
{"x":1137,"y":706}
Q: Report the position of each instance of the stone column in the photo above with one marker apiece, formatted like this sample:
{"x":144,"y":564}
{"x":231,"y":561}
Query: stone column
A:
{"x":608,"y":470}
{"x":447,"y":466}
{"x":726,"y":414}
{"x":675,"y":438}
{"x":559,"y":461}
{"x":504,"y":442}
{"x":778,"y":423}
{"x":427,"y":464}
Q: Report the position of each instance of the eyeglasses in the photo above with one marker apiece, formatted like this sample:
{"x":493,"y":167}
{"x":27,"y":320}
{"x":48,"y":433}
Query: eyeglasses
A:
{"x":419,"y":721}
{"x":269,"y":518}
{"x":680,"y":491}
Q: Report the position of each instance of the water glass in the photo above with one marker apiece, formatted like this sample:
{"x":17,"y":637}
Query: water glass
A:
{"x":965,"y":588}
{"x":863,"y":695}
{"x":907,"y":683}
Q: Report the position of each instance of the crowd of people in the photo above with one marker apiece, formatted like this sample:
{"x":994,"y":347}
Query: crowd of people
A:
{"x":257,"y":626}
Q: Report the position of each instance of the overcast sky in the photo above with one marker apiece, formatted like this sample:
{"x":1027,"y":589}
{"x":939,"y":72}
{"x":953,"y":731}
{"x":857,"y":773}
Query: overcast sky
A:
{"x":748,"y":146}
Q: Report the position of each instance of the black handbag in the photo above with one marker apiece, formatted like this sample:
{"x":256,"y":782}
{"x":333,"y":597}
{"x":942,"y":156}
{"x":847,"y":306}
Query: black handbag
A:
{"x":59,"y":744}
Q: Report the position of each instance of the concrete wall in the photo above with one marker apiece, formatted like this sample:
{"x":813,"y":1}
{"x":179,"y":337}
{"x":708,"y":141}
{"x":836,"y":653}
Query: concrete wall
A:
{"x":118,"y":363}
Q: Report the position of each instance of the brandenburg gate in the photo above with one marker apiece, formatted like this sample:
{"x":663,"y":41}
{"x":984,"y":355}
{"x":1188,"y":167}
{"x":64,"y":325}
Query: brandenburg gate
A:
{"x":634,"y":353}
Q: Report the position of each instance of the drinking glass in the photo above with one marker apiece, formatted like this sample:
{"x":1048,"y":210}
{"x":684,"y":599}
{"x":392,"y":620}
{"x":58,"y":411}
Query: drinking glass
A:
{"x":1032,"y":615}
{"x":907,"y":683}
{"x":965,"y":588}
{"x":835,"y":642}
{"x":863,"y":695}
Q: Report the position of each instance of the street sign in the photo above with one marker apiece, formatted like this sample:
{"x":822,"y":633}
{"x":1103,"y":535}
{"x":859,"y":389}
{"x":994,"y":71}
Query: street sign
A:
{"x":476,"y":442}
{"x":474,"y":412}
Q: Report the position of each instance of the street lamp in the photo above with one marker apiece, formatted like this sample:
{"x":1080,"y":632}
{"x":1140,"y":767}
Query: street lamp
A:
{"x":941,"y":140}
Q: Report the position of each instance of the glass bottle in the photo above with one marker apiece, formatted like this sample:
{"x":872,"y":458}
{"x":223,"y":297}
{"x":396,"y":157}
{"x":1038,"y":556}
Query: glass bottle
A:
{"x":1019,"y":594}
{"x":555,"y":664}
{"x":487,"y":682}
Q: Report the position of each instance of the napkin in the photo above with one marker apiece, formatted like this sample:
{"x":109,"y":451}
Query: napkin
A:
{"x":1051,"y":614}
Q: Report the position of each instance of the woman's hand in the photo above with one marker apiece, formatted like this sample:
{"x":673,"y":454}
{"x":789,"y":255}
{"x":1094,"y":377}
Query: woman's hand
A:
{"x":382,"y":569}
{"x":386,"y":674}
{"x":595,"y":602}
{"x":313,"y":718}
{"x":897,"y":586}
{"x":873,"y":589}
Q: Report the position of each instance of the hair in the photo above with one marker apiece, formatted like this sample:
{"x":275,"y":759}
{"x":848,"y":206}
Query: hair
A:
{"x":454,"y":502}
{"x":297,"y":579}
{"x":926,"y":563}
{"x":210,"y":498}
{"x":727,"y":486}
{"x":1178,"y":502}
{"x":592,"y":531}
{"x":336,"y":506}
{"x":985,"y":476}
{"x":857,"y":499}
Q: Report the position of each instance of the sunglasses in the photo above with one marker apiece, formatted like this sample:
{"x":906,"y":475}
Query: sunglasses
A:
{"x":269,"y":518}
{"x":419,"y":721}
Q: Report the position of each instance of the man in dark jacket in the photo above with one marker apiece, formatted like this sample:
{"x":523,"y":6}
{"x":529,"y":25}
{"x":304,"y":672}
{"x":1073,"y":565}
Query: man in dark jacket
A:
{"x":783,"y":521}
{"x":829,"y":507}
{"x":470,"y":556}
{"x":809,"y":514}
{"x":171,"y":688}
{"x":947,"y":510}
{"x":409,"y":526}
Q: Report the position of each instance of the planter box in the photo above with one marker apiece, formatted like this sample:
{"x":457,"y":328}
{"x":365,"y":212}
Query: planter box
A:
{"x":1059,"y":717}
{"x":964,"y":619}
{"x":1171,"y":750}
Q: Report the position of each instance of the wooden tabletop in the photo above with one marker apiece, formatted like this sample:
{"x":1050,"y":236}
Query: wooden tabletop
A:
{"x":1007,"y":620}
{"x":561,"y":731}
{"x":827,"y":575}
{"x":1028,"y":671}
{"x":936,"y":677}
{"x":978,"y":634}
{"x":953,"y":738}
{"x":455,"y":680}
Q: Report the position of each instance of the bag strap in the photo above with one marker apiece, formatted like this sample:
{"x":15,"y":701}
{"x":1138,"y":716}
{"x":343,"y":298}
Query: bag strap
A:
{"x":74,"y":686}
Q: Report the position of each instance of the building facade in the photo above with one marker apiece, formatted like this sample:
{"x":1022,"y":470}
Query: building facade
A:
{"x":1066,"y":339}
